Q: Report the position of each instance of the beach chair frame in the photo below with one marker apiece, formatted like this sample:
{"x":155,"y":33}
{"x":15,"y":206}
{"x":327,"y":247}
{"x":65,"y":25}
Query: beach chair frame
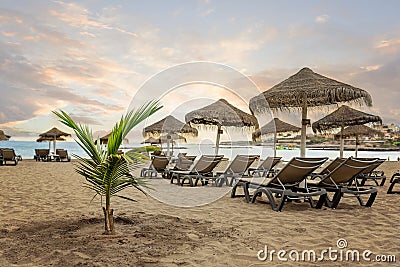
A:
{"x":393,"y":181}
{"x":338,"y":182}
{"x":285,"y":185}
{"x":158,"y":164}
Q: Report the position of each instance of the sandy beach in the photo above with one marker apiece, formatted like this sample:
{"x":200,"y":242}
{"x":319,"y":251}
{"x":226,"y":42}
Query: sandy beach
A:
{"x":48,"y":219}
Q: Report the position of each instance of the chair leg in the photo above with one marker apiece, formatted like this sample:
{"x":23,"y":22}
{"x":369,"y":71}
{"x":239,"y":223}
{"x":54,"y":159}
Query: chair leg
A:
{"x":383,"y":181}
{"x":392,"y":184}
{"x":371,"y":199}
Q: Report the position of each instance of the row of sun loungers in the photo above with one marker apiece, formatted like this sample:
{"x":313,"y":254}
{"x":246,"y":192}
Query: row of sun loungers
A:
{"x":44,"y":155}
{"x":298,"y":179}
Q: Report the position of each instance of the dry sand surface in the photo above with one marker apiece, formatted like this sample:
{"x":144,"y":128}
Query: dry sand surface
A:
{"x":48,"y":219}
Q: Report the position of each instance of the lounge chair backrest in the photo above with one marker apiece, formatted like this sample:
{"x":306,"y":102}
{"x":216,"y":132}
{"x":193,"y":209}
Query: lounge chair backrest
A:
{"x":62,"y":153}
{"x":159,"y":162}
{"x":206,"y":164}
{"x":373,"y":166}
{"x":269,"y":163}
{"x":184,"y":162}
{"x":42,"y":152}
{"x":333,"y":165}
{"x":8,"y":153}
{"x":241,"y":163}
{"x":296,"y":170}
{"x":347,"y":171}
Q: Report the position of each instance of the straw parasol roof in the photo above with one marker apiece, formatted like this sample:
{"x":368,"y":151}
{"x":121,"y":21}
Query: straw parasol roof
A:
{"x":4,"y":137}
{"x":54,"y":133}
{"x":307,"y":89}
{"x":275,"y":125}
{"x":355,"y":130}
{"x":48,"y":139}
{"x":104,"y":139}
{"x":223,"y":113}
{"x":319,"y":90}
{"x":151,"y":140}
{"x":174,"y":136}
{"x":170,"y":125}
{"x":344,"y":116}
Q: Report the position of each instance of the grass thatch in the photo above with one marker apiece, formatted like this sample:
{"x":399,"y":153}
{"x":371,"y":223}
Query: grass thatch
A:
{"x":54,"y":132}
{"x":48,"y":139}
{"x":223,"y":113}
{"x":275,"y":125}
{"x":318,"y":90}
{"x":344,"y":116}
{"x":4,"y":137}
{"x":360,"y":130}
{"x":170,"y":125}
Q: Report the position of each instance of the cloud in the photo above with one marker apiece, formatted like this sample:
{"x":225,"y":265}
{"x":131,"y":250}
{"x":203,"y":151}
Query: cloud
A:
{"x":321,"y":19}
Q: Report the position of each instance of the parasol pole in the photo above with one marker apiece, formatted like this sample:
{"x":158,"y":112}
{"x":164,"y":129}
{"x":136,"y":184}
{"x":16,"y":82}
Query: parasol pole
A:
{"x":304,"y":123}
{"x":54,"y":145}
{"x":168,"y":144}
{"x":356,"y":151}
{"x":275,"y":143}
{"x":219,"y":131}
{"x":341,"y":141}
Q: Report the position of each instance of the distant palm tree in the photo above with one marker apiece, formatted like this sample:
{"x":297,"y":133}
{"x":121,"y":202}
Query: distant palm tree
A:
{"x":107,"y":172}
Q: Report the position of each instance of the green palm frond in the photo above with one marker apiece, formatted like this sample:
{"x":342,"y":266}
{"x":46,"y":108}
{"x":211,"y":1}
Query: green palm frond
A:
{"x":106,"y":172}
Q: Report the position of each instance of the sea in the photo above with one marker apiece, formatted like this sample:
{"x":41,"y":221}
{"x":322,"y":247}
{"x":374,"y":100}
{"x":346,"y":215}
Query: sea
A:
{"x":27,"y":149}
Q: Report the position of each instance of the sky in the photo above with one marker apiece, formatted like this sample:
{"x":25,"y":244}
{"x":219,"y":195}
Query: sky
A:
{"x":92,"y":58}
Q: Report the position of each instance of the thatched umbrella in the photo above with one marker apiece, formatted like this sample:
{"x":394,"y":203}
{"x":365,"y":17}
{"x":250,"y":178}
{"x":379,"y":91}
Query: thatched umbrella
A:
{"x":344,"y":116}
{"x":53,"y":134}
{"x":356,"y":131}
{"x":3,"y":136}
{"x":273,"y":127}
{"x":221,"y":113}
{"x":307,"y":89}
{"x":170,"y":126}
{"x":104,"y":139}
{"x":151,"y":140}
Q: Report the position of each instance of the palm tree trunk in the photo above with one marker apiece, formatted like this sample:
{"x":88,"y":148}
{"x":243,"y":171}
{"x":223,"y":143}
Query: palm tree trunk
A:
{"x":108,"y":218}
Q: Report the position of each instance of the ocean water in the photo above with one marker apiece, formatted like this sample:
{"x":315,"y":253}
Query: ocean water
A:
{"x":27,"y":149}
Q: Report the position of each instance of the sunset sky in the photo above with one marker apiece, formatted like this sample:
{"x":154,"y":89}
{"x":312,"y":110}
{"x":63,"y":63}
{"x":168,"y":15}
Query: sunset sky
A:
{"x":90,"y":57}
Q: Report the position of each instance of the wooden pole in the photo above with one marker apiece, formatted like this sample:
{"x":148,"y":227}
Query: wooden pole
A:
{"x":218,"y":138}
{"x":356,"y":152}
{"x":303,"y":128}
{"x":341,"y":142}
{"x":275,"y":143}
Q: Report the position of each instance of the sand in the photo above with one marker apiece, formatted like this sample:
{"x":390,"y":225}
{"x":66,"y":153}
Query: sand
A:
{"x":48,"y":219}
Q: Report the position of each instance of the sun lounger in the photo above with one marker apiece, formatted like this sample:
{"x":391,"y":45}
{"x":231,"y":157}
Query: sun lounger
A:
{"x":62,"y":154}
{"x":236,"y":169}
{"x":284,"y":185}
{"x":393,"y":181}
{"x":338,"y":180}
{"x":158,"y":165}
{"x":182,"y":163}
{"x":266,"y":167}
{"x":42,"y":154}
{"x":201,"y":171}
{"x":371,"y":173}
{"x":8,"y":154}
